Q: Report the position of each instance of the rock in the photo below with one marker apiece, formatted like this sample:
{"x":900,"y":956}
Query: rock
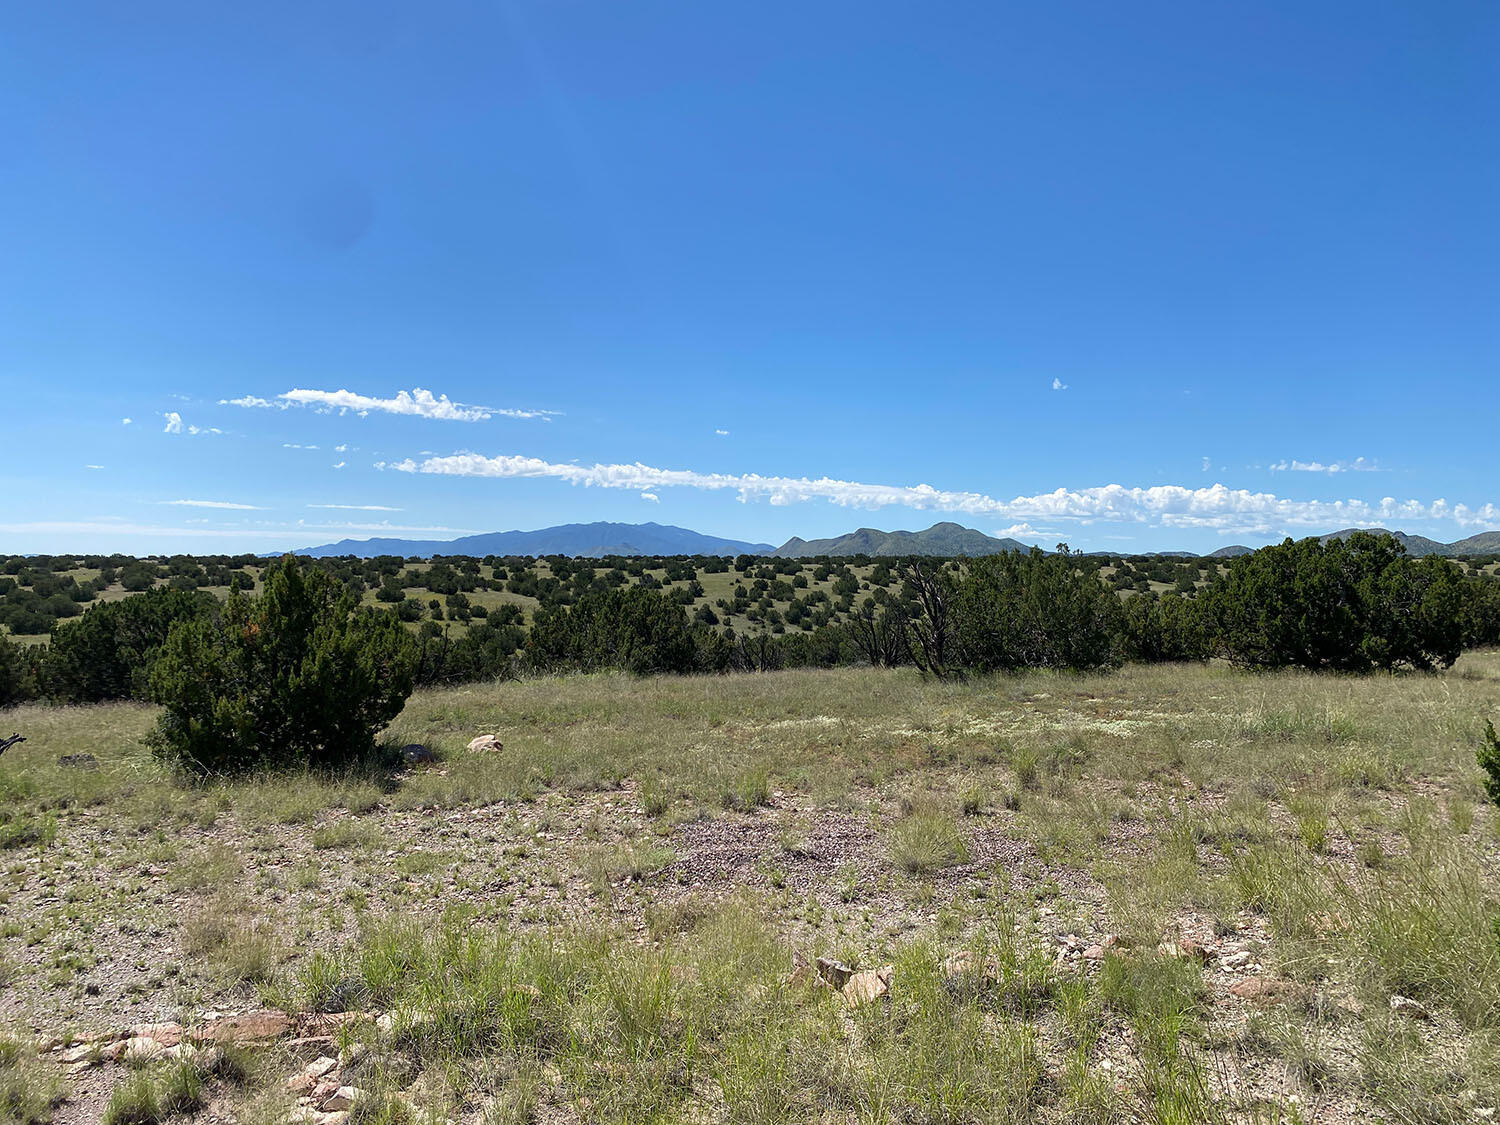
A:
{"x":113,"y":1052}
{"x":76,"y":1054}
{"x":141,"y":1048}
{"x":1264,"y":990}
{"x":1094,"y":953}
{"x":872,"y":984}
{"x":1235,"y":960}
{"x":1069,"y":942}
{"x":300,"y":1083}
{"x":79,"y":761}
{"x":486,"y":743}
{"x":1409,"y":1007}
{"x":1187,"y":949}
{"x":320,"y":1066}
{"x":958,"y":964}
{"x":247,"y":1028}
{"x":167,"y":1034}
{"x":834,"y":972}
{"x":338,"y":1117}
{"x":342,"y":1098}
{"x":415,"y":754}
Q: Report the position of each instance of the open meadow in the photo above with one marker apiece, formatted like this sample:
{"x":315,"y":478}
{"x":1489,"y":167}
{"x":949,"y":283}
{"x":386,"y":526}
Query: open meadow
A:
{"x":1173,"y":893}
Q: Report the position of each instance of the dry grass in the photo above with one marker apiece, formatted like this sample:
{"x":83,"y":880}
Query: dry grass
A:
{"x":646,"y":859}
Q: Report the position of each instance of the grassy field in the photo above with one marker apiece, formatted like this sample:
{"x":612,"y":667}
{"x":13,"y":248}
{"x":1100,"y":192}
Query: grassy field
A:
{"x":1169,"y":894}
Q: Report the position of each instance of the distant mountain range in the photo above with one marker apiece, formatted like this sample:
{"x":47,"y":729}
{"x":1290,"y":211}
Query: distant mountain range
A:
{"x":580,"y":540}
{"x":948,"y":539}
{"x":595,"y":540}
{"x":1485,"y":543}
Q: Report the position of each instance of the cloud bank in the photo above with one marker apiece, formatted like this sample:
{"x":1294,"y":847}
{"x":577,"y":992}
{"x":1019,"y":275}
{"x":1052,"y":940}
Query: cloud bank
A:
{"x":1167,"y":505}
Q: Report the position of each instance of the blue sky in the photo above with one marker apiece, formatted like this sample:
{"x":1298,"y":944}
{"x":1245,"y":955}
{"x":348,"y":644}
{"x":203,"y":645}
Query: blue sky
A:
{"x":1144,"y":276}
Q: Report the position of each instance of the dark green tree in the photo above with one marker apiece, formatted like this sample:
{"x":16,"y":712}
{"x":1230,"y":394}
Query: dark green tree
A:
{"x":299,"y":676}
{"x":1015,"y":610}
{"x":637,"y":629}
{"x":1349,"y":605}
{"x":108,"y":653}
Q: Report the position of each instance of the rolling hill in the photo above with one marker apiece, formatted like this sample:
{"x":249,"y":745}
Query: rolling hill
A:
{"x":581,"y":540}
{"x":949,"y":539}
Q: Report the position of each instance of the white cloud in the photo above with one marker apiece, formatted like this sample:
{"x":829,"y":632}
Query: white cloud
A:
{"x":722,"y":433}
{"x":1166,"y":505}
{"x":1058,"y":384}
{"x":295,"y":445}
{"x":1358,"y":465}
{"x":341,"y":449}
{"x":416,"y":402}
{"x":126,"y":421}
{"x":93,"y":466}
{"x":339,"y":464}
{"x":215,"y":504}
{"x":1016,"y":530}
{"x":357,"y":507}
{"x":175,"y":425}
{"x":1208,"y":463}
{"x":651,"y":496}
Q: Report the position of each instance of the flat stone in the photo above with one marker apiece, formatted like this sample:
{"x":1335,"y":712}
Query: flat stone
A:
{"x":167,"y":1034}
{"x":872,"y":984}
{"x":320,"y":1066}
{"x":142,"y":1048}
{"x":486,"y":744}
{"x":246,"y":1028}
{"x":342,"y":1098}
{"x":1264,"y":990}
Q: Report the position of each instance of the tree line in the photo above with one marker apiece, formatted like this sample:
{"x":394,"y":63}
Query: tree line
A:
{"x":1352,"y":605}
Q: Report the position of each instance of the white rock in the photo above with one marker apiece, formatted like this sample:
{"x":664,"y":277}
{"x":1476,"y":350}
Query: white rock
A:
{"x":1407,"y":1006}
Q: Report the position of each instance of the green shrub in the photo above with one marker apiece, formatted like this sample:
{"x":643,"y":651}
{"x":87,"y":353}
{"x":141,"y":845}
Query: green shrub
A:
{"x":29,"y":1088}
{"x":299,"y":676}
{"x":1348,"y":605}
{"x":1489,"y":760}
{"x":135,"y":1102}
{"x":1016,"y":610}
{"x":109,"y":651}
{"x":928,"y":839}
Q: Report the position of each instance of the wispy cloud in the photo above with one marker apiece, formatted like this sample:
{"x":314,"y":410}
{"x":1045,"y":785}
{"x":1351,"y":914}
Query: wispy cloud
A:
{"x":416,"y":402}
{"x":126,"y":421}
{"x":339,"y":464}
{"x":175,"y":425}
{"x":722,"y":433}
{"x":228,"y":504}
{"x":651,"y":496}
{"x":296,"y":445}
{"x":357,"y":507}
{"x":1058,"y":384}
{"x":93,"y":466}
{"x":1166,"y":505}
{"x":1208,"y":463}
{"x":1358,"y":465}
